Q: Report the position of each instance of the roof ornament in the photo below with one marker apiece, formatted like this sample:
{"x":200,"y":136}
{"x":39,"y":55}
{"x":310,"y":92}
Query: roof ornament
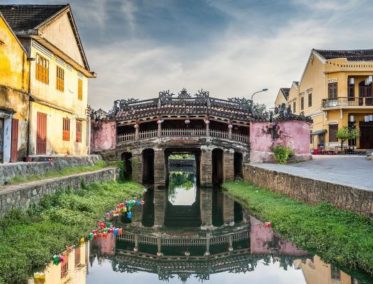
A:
{"x":244,"y":103}
{"x":165,"y":97}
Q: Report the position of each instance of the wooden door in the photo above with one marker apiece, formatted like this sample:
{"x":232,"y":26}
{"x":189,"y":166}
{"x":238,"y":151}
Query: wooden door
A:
{"x":366,"y":135}
{"x":1,"y":139}
{"x":14,"y":146}
{"x":41,"y":134}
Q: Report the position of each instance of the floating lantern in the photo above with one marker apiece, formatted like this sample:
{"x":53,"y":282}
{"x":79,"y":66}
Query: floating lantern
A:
{"x":267,"y":224}
{"x":129,"y":215}
{"x":56,"y":259}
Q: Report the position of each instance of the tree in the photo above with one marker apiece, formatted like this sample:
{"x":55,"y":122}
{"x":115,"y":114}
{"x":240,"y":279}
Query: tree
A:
{"x":347,"y":133}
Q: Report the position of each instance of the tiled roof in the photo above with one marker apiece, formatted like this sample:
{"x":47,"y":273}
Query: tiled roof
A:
{"x":27,"y":17}
{"x":350,"y":55}
{"x":285,"y":91}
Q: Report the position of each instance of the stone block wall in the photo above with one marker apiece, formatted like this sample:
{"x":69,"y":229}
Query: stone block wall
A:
{"x":23,"y":195}
{"x":40,"y":166}
{"x":312,"y":191}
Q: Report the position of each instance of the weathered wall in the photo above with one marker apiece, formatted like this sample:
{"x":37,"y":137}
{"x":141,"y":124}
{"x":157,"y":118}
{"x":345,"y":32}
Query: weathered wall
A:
{"x":312,"y":191}
{"x":103,"y":136}
{"x":266,"y":135}
{"x":23,"y":195}
{"x":40,"y":166}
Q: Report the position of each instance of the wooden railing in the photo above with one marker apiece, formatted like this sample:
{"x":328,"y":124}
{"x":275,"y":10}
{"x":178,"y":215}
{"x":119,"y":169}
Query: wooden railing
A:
{"x":347,"y":102}
{"x":143,"y":135}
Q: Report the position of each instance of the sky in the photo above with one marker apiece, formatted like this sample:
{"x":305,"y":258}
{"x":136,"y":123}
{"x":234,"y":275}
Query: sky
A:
{"x":231,"y":48}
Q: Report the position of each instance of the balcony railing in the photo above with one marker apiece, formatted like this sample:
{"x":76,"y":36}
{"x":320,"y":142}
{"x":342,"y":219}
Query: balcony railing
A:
{"x":347,"y":102}
{"x":143,"y":135}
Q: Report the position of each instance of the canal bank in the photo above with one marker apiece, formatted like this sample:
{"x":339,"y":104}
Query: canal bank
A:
{"x":339,"y":237}
{"x":29,"y":239}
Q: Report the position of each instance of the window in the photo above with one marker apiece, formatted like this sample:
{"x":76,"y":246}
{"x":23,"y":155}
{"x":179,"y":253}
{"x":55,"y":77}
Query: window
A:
{"x":60,"y":79}
{"x":42,"y":69}
{"x":294,"y":107}
{"x":80,"y":89}
{"x":333,"y":128}
{"x":78,"y":131}
{"x":333,"y":90}
{"x":77,"y":256}
{"x":309,"y":99}
{"x":66,"y":129}
{"x":351,"y":88}
{"x":64,"y":266}
{"x":335,"y":273}
{"x":302,"y":103}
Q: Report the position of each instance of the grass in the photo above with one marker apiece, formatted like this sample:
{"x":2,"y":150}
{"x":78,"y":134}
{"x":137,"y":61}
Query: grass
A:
{"x":338,"y":236}
{"x":58,"y":173}
{"x":28,"y":240}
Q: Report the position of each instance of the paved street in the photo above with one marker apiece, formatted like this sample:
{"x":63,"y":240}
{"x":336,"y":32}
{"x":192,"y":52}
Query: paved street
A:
{"x":347,"y":170}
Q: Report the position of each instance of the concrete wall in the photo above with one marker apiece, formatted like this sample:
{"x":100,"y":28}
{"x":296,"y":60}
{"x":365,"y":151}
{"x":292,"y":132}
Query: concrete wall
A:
{"x":41,"y":166}
{"x":23,"y":195}
{"x":103,"y":136}
{"x":312,"y":191}
{"x":266,"y":135}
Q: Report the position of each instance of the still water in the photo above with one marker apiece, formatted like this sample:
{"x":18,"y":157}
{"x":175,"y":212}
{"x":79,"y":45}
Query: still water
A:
{"x":187,"y":234}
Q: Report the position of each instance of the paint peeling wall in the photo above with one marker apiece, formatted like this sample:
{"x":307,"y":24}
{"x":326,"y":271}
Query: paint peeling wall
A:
{"x":266,"y":135}
{"x":103,"y":136}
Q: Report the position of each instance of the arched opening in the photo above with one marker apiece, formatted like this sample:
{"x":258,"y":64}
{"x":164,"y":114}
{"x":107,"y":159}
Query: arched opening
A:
{"x":217,"y":166}
{"x":148,"y":166}
{"x":238,"y":172}
{"x":127,"y":161}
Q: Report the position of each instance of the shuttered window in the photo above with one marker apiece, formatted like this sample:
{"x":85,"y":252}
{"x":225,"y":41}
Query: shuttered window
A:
{"x":333,"y":90}
{"x":333,"y":128}
{"x":309,"y":99}
{"x":60,"y":79}
{"x":77,"y":256}
{"x":78,"y":131}
{"x":66,"y":129}
{"x":302,"y":103}
{"x":64,"y":266}
{"x":80,"y":89}
{"x":42,"y":69}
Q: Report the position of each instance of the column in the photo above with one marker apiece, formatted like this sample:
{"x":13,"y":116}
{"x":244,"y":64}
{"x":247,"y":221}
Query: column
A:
{"x":159,"y":246}
{"x":230,"y":243}
{"x":159,"y":122}
{"x":228,"y":210}
{"x":206,"y":207}
{"x":230,"y":126}
{"x":137,"y":165}
{"x":136,"y":248}
{"x":206,"y":167}
{"x":207,"y":252}
{"x":228,"y":165}
{"x":137,"y":129}
{"x":159,"y":169}
{"x":159,"y":207}
{"x":207,"y":122}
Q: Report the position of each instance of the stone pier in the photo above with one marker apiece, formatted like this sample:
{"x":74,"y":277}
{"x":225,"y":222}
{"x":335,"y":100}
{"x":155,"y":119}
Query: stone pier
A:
{"x":228,"y":165}
{"x":228,"y":210}
{"x":206,"y":167}
{"x":159,"y":207}
{"x":159,"y":169}
{"x":206,"y":207}
{"x":137,"y":166}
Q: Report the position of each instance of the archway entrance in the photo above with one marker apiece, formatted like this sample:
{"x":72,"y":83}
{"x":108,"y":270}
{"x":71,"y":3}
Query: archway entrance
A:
{"x":238,"y":172}
{"x":148,"y":166}
{"x":217,"y":166}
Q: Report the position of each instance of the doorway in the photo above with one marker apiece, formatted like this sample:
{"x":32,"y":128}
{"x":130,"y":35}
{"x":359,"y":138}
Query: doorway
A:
{"x":41,"y":134}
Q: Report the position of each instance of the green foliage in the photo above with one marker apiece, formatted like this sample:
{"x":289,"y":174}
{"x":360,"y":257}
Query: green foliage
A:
{"x":282,"y":154}
{"x":338,"y":236}
{"x":347,"y":133}
{"x":59,"y":173}
{"x":181,"y":156}
{"x":29,"y":239}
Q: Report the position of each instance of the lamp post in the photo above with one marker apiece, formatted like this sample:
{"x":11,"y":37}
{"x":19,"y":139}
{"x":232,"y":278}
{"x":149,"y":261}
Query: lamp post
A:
{"x":260,"y":91}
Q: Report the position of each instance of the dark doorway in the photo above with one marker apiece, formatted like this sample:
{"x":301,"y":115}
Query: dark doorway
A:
{"x":217,"y":166}
{"x":148,"y":166}
{"x":127,"y":160}
{"x":366,"y":135}
{"x":238,"y":172}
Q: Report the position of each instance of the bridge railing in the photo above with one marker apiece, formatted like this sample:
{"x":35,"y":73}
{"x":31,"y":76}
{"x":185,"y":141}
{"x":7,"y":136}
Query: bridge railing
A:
{"x":143,"y":135}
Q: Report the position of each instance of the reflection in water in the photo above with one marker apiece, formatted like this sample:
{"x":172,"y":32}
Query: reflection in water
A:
{"x":182,"y":188}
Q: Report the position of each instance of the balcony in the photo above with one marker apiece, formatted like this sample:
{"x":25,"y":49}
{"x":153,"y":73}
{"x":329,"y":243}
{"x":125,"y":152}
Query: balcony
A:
{"x":345,"y":102}
{"x":181,"y":133}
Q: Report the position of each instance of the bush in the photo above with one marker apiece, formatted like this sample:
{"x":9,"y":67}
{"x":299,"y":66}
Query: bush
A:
{"x":282,"y":154}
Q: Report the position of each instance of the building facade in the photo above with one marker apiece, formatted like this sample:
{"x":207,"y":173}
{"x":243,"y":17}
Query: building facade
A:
{"x":14,"y":99}
{"x":59,"y":74}
{"x":336,"y":91}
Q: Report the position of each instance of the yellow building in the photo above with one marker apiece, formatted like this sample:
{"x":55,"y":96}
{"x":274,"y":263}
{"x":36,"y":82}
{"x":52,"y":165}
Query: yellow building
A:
{"x":14,"y":99}
{"x":59,"y":73}
{"x":336,"y":91}
{"x":282,"y":97}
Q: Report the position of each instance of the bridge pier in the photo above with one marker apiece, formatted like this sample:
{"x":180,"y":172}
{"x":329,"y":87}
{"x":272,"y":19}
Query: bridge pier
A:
{"x":206,"y":167}
{"x":228,"y":210}
{"x":137,"y":165}
{"x":159,"y":207}
{"x":228,"y":165}
{"x":206,"y":207}
{"x":159,"y":169}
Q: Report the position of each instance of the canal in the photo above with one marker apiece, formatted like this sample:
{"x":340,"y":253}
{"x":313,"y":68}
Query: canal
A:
{"x":189,"y":234}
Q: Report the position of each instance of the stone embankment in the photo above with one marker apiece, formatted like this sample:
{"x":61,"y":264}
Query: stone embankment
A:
{"x":311,"y":190}
{"x":43,"y":165}
{"x":23,"y":195}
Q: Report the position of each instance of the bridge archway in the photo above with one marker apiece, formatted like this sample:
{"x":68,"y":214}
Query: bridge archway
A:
{"x":238,"y":164}
{"x":148,"y":166}
{"x":217,"y":166}
{"x":126,"y":157}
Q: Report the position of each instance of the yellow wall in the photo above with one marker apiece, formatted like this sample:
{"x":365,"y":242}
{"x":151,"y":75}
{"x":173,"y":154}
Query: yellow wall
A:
{"x":294,"y":97}
{"x":280,"y":99}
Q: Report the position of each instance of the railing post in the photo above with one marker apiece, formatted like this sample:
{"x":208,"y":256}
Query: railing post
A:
{"x":137,"y":128}
{"x":207,"y":122}
{"x":136,"y":248}
{"x":230,"y":241}
{"x":159,"y":246}
{"x":159,"y":122}
{"x":230,"y":126}
{"x":207,"y":252}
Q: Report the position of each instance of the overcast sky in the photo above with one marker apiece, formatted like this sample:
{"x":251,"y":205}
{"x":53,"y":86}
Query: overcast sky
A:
{"x":228,"y":47}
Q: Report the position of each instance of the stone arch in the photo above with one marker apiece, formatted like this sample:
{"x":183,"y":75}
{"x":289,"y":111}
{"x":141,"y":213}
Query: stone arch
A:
{"x":217,"y":166}
{"x":148,"y":166}
{"x":238,"y":165}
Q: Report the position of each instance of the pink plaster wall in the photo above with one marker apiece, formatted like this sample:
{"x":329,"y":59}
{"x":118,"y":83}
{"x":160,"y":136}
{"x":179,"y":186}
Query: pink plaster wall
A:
{"x":294,"y":134}
{"x":103,"y":137}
